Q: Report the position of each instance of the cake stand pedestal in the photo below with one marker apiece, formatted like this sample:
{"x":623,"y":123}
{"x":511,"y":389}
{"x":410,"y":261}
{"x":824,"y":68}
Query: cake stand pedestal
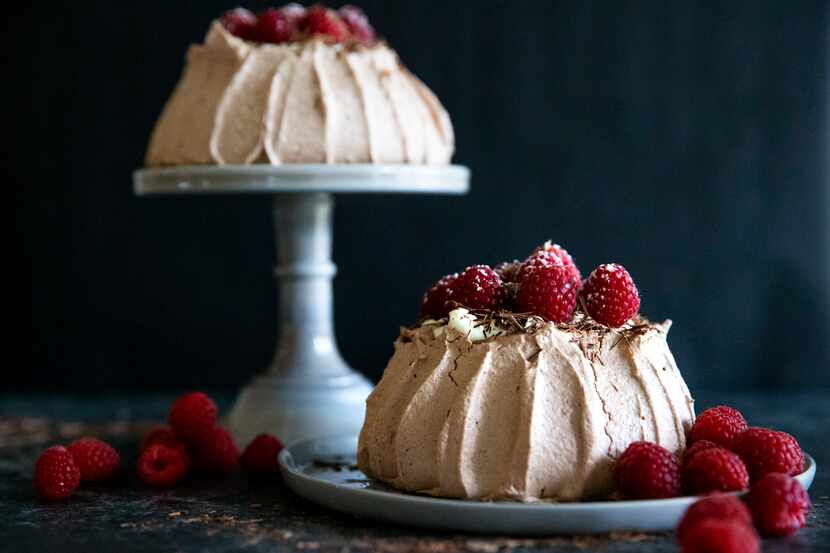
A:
{"x":308,"y":390}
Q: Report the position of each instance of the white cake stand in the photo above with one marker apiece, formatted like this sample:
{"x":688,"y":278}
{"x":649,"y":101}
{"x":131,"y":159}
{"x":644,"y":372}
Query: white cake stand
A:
{"x":308,"y":390}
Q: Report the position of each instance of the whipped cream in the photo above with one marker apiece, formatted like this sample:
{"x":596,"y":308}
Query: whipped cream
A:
{"x":523,"y":416}
{"x":240,"y":102}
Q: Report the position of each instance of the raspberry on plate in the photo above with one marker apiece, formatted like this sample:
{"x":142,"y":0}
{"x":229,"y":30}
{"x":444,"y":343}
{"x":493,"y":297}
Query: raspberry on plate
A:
{"x":719,"y":424}
{"x":779,"y":504}
{"x":611,"y":298}
{"x":358,"y":24}
{"x":718,"y":506}
{"x":326,"y":22}
{"x":241,"y":23}
{"x":97,"y":460}
{"x":434,"y":305}
{"x":193,"y":417}
{"x":548,"y":291}
{"x":216,"y":455}
{"x":56,"y":474}
{"x":161,"y":466}
{"x":697,"y":447}
{"x":720,"y":536}
{"x":280,"y":25}
{"x":765,"y":451}
{"x":478,"y":287}
{"x":715,"y":470}
{"x":260,"y":457}
{"x":648,"y":471}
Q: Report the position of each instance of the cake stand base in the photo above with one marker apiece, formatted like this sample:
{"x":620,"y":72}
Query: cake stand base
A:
{"x":308,"y":390}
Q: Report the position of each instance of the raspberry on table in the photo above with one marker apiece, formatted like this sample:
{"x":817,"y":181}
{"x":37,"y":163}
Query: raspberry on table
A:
{"x":97,"y":460}
{"x":550,"y":254}
{"x":326,"y":22}
{"x":280,"y":25}
{"x":163,"y":435}
{"x":193,"y":417}
{"x":240,"y":23}
{"x":715,"y":470}
{"x":765,"y":451}
{"x":358,"y":24}
{"x":648,"y":471}
{"x":57,"y":475}
{"x":478,"y":287}
{"x":610,"y":296}
{"x":697,"y":447}
{"x":162,"y":466}
{"x":216,"y":455}
{"x":434,"y":304}
{"x":779,"y":504}
{"x":718,"y":506}
{"x":720,"y":536}
{"x":260,"y":457}
{"x":720,"y":425}
{"x":548,"y":291}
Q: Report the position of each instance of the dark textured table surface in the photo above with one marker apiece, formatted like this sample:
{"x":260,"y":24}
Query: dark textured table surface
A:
{"x":256,"y":515}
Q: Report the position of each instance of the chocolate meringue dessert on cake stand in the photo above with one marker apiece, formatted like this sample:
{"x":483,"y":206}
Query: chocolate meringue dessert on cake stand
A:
{"x":300,"y":104}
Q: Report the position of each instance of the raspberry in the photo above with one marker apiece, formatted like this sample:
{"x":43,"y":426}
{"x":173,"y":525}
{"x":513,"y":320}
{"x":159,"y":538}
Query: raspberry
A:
{"x":720,"y":536}
{"x":715,"y":470}
{"x":260,"y":456}
{"x":548,"y":291}
{"x":434,"y":305}
{"x":56,"y":474}
{"x":358,"y":24}
{"x":648,"y":471}
{"x":163,"y":435}
{"x":280,"y":25}
{"x":97,"y":460}
{"x":326,"y":22}
{"x":193,"y":417}
{"x":478,"y":287}
{"x":764,"y":451}
{"x":779,"y":504}
{"x":508,"y":271}
{"x":551,"y":254}
{"x":697,"y":447}
{"x":611,"y":298}
{"x":162,"y":466}
{"x":216,"y":455}
{"x":241,"y":23}
{"x":719,"y":424}
{"x":719,"y":506}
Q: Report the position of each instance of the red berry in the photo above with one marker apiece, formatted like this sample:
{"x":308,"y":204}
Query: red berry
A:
{"x":648,"y":471}
{"x":216,"y":455}
{"x":715,"y":470}
{"x":611,"y":297}
{"x":508,"y":271}
{"x":765,"y":451}
{"x":719,"y":424}
{"x":56,"y":474}
{"x":548,"y":291}
{"x":163,"y":435}
{"x":434,"y":305}
{"x":779,"y":504}
{"x":161,"y":466}
{"x":326,"y":22}
{"x":551,"y":254}
{"x":193,"y":417}
{"x":260,"y":457}
{"x":720,"y":536}
{"x":97,"y":460}
{"x":478,"y":287}
{"x":697,"y":447}
{"x":358,"y":24}
{"x":719,"y":506}
{"x":280,"y":25}
{"x":241,"y":23}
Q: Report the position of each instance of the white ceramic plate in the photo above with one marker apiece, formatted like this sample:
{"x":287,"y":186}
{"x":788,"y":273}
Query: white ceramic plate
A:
{"x":324,"y":471}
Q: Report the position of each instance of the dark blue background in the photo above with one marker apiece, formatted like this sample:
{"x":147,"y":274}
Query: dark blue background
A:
{"x":688,"y":141}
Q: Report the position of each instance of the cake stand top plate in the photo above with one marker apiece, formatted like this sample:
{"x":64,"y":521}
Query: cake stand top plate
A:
{"x":357,"y":178}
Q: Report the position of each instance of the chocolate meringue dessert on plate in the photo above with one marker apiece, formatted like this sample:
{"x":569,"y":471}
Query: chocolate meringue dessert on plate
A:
{"x":297,"y":85}
{"x":522,"y":383}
